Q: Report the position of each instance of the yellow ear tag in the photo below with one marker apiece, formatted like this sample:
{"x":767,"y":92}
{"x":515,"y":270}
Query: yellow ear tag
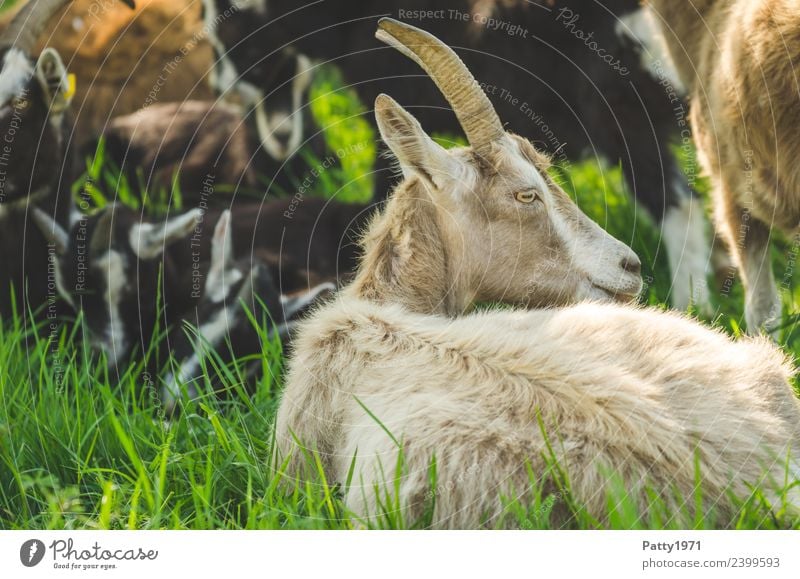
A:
{"x":71,"y":85}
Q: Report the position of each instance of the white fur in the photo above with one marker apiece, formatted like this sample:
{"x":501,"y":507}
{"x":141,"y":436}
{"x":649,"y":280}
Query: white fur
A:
{"x":619,"y":389}
{"x":149,"y":240}
{"x":592,"y":251}
{"x":223,"y":76}
{"x":210,"y":335}
{"x":258,"y":6}
{"x":270,"y":126}
{"x":524,"y":167}
{"x":762,"y":305}
{"x":642,"y":27}
{"x":113,"y":341}
{"x":49,"y":66}
{"x":222,"y":274}
{"x":56,"y":235}
{"x":684,"y":236}
{"x":16,"y":73}
{"x":294,"y":304}
{"x":62,"y":290}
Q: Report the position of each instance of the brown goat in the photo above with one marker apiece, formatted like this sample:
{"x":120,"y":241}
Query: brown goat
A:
{"x":123,"y":60}
{"x":737,"y":60}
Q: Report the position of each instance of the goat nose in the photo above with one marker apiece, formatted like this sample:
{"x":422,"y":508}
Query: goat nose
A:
{"x":631,"y":264}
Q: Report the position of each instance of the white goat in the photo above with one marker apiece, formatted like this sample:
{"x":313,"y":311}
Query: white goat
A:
{"x":482,"y":398}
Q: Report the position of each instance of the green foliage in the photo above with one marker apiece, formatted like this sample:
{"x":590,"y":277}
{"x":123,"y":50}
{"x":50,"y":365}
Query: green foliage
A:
{"x":102,"y":183}
{"x":7,"y":5}
{"x":349,"y":136}
{"x":449,"y":141}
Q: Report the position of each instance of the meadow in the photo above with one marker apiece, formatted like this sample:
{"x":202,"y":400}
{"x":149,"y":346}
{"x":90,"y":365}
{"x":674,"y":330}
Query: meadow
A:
{"x":81,"y":448}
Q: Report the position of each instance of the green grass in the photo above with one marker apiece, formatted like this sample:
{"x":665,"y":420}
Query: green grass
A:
{"x":82,"y":449}
{"x":6,"y":5}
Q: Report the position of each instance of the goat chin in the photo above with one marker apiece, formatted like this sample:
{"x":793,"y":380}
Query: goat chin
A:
{"x":595,"y":293}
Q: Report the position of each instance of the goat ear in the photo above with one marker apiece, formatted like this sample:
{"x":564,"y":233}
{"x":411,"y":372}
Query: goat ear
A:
{"x":414,"y":149}
{"x":149,"y":240}
{"x":221,"y":272}
{"x":58,"y":86}
{"x":51,"y":230}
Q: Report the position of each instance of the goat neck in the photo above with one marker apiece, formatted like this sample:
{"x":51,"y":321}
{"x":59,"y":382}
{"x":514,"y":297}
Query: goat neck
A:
{"x":406,"y":258}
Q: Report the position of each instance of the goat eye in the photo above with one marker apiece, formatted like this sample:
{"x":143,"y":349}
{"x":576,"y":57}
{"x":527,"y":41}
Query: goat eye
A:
{"x":526,"y":196}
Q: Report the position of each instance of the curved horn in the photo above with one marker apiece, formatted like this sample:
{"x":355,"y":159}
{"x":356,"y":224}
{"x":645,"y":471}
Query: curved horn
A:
{"x":473,"y":108}
{"x":31,"y":20}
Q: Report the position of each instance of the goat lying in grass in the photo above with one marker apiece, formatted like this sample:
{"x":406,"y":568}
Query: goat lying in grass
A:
{"x":738,"y":62}
{"x":392,"y":386}
{"x":221,"y":322}
{"x":130,"y":276}
{"x":118,"y":269}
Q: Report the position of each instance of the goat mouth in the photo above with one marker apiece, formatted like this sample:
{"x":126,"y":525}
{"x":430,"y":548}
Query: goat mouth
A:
{"x":616,"y":295}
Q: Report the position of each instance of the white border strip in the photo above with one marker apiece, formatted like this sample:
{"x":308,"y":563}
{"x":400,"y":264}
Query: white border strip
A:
{"x":405,"y":554}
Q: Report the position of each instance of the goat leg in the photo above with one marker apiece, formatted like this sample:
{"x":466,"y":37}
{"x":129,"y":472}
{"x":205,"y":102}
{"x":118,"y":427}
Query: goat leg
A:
{"x":748,"y":239}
